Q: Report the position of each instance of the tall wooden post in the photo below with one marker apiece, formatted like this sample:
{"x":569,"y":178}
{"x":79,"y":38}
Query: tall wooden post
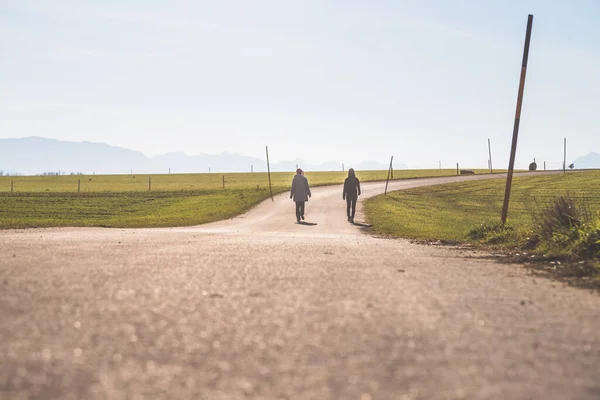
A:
{"x":513,"y":149}
{"x":565,"y":158}
{"x":149,"y":183}
{"x":269,"y":173}
{"x":223,"y":181}
{"x":490,"y":152}
{"x":78,"y":185}
{"x":388,"y":177}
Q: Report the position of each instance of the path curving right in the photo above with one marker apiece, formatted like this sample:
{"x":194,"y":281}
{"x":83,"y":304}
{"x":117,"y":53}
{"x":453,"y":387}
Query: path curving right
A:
{"x":259,"y":307}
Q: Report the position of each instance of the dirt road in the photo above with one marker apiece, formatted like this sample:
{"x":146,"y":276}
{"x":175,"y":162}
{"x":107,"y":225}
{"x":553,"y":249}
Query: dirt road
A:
{"x":259,"y":307}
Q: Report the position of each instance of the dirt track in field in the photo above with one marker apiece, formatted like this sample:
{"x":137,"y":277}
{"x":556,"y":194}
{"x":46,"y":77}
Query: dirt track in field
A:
{"x":259,"y":307}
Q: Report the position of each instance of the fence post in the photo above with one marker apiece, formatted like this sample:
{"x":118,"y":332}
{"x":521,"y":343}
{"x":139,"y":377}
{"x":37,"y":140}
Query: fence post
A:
{"x":78,"y":185}
{"x":565,"y":158}
{"x":269,"y":173}
{"x":490,"y":160}
{"x":457,"y":169}
{"x":388,"y":177}
{"x":12,"y":185}
{"x":223,"y":181}
{"x":149,"y":183}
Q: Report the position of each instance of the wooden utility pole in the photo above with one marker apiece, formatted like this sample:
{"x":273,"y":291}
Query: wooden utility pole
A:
{"x":565,"y":158}
{"x":490,"y":152}
{"x":388,"y":177}
{"x":269,"y":173}
{"x":513,"y":149}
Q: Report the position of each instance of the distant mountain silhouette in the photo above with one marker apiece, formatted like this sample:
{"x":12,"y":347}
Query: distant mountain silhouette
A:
{"x":36,"y":155}
{"x":592,"y":160}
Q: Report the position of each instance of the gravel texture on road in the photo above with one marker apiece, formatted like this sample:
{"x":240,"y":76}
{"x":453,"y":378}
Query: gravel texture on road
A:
{"x":260,"y":307}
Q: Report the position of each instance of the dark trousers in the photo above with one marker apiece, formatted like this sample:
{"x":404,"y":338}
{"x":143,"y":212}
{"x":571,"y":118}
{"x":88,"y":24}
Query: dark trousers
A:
{"x":299,"y":209}
{"x":350,"y":207}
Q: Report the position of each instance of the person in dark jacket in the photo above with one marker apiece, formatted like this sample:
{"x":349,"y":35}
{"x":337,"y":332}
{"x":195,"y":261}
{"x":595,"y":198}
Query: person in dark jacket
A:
{"x":351,"y":193}
{"x":300,"y":193}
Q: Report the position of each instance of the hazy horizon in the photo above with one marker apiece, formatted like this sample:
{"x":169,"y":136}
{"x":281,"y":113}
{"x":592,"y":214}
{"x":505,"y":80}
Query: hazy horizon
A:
{"x":319,"y":81}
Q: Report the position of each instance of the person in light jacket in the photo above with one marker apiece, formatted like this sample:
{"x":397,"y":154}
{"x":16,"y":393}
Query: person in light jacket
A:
{"x":300,"y":193}
{"x":351,"y":193}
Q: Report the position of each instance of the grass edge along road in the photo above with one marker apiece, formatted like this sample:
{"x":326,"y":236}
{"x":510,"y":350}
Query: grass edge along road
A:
{"x":143,"y":201}
{"x":553,"y":219}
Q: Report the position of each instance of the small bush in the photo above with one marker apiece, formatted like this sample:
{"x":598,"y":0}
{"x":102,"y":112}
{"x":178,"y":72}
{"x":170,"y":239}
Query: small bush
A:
{"x":561,"y":215}
{"x":568,"y":229}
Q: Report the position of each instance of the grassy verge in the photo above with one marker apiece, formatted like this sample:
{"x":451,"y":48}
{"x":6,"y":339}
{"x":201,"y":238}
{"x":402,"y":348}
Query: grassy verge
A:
{"x":173,"y":200}
{"x":125,"y":209}
{"x":553,"y":219}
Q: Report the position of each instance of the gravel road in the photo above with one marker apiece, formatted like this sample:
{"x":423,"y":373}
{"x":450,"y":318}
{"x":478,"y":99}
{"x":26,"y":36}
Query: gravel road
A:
{"x":259,"y":307}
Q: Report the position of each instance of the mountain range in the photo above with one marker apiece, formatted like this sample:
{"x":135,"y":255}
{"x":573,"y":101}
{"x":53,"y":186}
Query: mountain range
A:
{"x":589,"y":161}
{"x":37,"y":155}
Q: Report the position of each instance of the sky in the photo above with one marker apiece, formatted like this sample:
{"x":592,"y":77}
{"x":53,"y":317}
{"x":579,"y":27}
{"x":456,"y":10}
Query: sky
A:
{"x":425,"y":81}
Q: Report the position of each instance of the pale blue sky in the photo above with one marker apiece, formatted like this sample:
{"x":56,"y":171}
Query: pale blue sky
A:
{"x":422,"y":80}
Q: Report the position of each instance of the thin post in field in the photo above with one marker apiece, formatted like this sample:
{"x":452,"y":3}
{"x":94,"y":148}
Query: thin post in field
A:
{"x":149,"y":183}
{"x":513,"y":149}
{"x":490,"y":159}
{"x":12,"y":185}
{"x":388,"y":177}
{"x":223,"y":181}
{"x":565,"y":157}
{"x":456,"y":169}
{"x":269,"y":173}
{"x":78,"y":185}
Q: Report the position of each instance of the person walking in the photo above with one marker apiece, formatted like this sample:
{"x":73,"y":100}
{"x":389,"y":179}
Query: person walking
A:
{"x":351,"y":193}
{"x":300,"y":193}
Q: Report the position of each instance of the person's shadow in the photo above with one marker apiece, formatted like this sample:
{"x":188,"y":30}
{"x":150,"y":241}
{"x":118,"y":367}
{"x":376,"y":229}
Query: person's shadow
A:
{"x":362,"y":224}
{"x":306,"y":223}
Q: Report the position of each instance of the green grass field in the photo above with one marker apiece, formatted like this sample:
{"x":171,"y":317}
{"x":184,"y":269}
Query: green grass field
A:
{"x":173,"y":200}
{"x":448,"y":212}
